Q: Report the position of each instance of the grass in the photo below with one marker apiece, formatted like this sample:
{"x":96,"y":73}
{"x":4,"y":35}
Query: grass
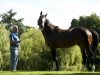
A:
{"x":47,"y":73}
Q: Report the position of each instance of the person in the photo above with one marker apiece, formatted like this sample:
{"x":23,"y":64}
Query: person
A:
{"x":14,"y":43}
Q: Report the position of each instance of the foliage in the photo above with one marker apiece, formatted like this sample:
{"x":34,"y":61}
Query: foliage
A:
{"x":35,"y":55}
{"x":92,"y":21}
{"x":4,"y":47}
{"x":33,"y":51}
{"x":70,"y":59}
{"x":9,"y":20}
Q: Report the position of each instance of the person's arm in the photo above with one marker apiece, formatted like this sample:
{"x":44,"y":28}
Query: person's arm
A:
{"x":12,"y":41}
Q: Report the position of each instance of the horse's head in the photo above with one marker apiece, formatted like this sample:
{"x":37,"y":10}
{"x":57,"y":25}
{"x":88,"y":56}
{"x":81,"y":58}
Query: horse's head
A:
{"x":41,"y":20}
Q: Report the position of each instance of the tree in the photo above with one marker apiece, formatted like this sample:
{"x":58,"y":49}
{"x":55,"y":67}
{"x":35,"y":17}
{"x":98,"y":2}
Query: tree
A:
{"x":92,"y":21}
{"x":74,"y":23}
{"x":9,"y":20}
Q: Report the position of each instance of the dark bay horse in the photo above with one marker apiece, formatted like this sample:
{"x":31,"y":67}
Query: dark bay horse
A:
{"x":59,"y":38}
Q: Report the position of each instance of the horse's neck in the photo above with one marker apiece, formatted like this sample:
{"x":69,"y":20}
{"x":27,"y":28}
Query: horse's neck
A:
{"x":51,"y":26}
{"x":48,"y":25}
{"x":48,"y":30}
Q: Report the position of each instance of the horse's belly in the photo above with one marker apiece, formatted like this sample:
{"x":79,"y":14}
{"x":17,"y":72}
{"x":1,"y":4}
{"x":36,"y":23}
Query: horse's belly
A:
{"x":65,"y":44}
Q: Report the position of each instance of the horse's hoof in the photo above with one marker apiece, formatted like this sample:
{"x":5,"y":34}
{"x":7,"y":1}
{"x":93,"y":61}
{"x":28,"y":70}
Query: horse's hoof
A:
{"x":93,"y":68}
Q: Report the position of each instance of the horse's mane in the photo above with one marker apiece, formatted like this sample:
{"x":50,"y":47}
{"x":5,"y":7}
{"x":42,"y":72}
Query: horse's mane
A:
{"x":46,"y":22}
{"x":49,"y":24}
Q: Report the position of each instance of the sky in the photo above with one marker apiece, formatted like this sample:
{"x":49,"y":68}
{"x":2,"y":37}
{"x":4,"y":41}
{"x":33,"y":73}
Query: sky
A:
{"x":60,"y":12}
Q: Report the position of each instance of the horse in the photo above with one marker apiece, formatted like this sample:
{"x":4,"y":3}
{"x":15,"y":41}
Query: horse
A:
{"x":56,"y":37}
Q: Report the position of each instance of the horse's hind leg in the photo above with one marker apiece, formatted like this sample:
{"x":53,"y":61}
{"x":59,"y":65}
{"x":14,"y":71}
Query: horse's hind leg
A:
{"x":90,"y":59}
{"x":84,"y":57}
{"x":54,"y":57}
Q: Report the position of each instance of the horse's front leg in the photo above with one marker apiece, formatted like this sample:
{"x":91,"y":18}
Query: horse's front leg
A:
{"x":54,"y":58}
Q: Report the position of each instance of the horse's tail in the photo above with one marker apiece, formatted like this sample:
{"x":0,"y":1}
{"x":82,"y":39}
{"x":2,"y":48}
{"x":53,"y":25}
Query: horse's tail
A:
{"x":95,"y":41}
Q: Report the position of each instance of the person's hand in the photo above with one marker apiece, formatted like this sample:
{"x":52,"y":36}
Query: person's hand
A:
{"x":40,"y":28}
{"x":18,"y":41}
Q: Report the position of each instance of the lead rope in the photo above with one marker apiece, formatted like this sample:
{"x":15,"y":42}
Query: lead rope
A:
{"x":30,"y":35}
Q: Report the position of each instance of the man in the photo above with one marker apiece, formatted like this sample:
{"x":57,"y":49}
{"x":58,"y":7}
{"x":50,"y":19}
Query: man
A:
{"x":14,"y":43}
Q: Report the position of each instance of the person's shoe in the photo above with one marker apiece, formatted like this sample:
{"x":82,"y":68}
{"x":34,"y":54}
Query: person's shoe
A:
{"x":13,"y":70}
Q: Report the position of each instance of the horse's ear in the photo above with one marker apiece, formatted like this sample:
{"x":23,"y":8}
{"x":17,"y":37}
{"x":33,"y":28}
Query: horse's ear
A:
{"x":45,"y":15}
{"x":41,"y":13}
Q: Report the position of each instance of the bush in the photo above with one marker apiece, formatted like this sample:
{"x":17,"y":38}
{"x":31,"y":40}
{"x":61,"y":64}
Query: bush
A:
{"x":4,"y":48}
{"x":33,"y":51}
{"x":70,"y":58}
{"x":97,"y":58}
{"x":35,"y":55}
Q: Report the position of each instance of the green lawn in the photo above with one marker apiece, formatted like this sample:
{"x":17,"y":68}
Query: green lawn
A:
{"x":47,"y":73}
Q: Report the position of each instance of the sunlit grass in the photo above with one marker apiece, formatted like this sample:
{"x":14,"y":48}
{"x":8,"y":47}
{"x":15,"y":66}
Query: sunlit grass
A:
{"x":47,"y":73}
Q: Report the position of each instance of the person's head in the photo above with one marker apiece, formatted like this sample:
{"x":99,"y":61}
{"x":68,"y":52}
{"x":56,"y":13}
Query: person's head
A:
{"x":14,"y":28}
